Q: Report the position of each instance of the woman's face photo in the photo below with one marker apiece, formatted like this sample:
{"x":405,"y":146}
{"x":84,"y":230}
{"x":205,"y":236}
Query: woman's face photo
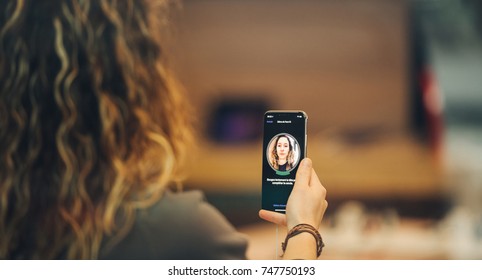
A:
{"x":282,"y":148}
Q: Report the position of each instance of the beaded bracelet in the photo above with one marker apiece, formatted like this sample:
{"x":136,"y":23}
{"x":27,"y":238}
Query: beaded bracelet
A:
{"x":305,"y":228}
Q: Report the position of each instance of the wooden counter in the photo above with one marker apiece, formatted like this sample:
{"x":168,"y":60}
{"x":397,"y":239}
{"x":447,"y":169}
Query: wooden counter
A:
{"x":385,"y":166}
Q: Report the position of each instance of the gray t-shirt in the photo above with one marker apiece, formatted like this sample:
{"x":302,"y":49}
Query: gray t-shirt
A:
{"x":180,"y":226}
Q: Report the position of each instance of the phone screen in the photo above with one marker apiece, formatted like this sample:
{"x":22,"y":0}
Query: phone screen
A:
{"x":284,"y":146}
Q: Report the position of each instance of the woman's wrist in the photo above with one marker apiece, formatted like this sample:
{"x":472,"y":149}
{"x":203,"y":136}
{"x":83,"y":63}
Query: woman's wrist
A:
{"x":300,"y":247}
{"x":305,"y":236}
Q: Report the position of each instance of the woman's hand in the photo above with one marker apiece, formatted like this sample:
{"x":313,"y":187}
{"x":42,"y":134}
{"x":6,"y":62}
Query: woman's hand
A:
{"x":306,"y":203}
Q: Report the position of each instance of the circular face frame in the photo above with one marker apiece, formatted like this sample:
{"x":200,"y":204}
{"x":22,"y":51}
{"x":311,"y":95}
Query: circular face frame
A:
{"x":294,"y":144}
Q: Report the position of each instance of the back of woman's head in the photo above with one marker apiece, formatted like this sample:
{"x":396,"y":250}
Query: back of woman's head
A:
{"x":92,"y":126}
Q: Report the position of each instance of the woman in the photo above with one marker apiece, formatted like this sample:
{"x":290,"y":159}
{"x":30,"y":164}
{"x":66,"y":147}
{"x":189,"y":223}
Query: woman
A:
{"x":93,"y":135}
{"x":282,"y":155}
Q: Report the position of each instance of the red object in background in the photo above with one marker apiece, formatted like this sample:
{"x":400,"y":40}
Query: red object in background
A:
{"x":433,"y":105}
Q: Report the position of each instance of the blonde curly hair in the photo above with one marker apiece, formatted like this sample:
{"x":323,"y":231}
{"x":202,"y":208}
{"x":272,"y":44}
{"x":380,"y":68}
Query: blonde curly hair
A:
{"x":92,"y":123}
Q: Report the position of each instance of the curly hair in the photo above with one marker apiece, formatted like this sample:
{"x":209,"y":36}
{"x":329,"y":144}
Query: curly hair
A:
{"x":92,"y":123}
{"x":274,"y":155}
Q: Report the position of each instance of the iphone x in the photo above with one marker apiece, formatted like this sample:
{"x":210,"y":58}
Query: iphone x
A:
{"x":284,"y":146}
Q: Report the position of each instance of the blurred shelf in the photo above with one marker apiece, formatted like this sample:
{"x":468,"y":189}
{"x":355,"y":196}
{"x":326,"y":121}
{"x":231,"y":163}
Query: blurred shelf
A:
{"x":387,"y":166}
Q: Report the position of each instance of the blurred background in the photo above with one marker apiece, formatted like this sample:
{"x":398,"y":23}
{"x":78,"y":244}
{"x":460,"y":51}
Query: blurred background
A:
{"x":393,"y":91}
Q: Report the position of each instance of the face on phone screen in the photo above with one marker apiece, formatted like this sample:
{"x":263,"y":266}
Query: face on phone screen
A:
{"x":284,"y":146}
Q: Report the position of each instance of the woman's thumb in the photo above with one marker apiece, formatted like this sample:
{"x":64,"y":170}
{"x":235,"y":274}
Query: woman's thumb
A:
{"x":303,"y":175}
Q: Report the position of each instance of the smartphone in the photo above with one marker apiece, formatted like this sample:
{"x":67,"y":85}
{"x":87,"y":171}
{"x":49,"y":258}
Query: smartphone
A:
{"x":284,"y":146}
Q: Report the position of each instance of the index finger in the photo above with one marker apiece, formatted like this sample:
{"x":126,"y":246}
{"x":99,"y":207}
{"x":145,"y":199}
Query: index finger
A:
{"x":273,"y":217}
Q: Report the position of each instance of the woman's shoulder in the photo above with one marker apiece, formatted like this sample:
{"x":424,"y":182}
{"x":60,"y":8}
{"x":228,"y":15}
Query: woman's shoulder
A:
{"x":181,"y":226}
